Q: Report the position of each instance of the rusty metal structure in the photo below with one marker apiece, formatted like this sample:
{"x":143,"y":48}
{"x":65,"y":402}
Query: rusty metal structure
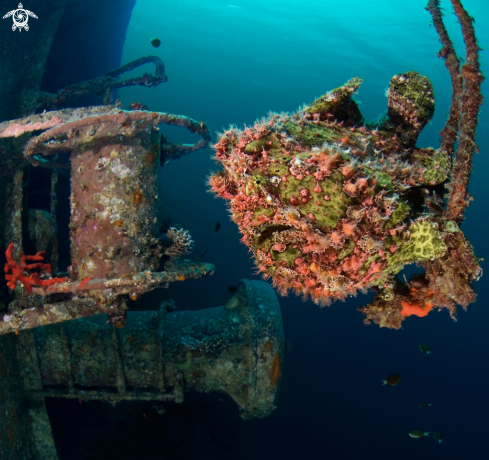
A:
{"x":236,"y":349}
{"x":66,"y":29}
{"x":117,"y":248}
{"x":68,"y":334}
{"x":65,"y":331}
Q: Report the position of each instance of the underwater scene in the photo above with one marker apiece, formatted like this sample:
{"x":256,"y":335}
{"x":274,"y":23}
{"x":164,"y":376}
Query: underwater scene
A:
{"x":239,"y":229}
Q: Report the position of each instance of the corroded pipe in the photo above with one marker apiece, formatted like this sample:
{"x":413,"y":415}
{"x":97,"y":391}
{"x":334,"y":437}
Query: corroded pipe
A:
{"x":237,"y":349}
{"x":464,"y":111}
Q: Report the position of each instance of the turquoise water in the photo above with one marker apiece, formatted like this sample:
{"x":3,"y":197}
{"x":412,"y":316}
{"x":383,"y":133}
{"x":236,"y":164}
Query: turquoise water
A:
{"x":230,"y":63}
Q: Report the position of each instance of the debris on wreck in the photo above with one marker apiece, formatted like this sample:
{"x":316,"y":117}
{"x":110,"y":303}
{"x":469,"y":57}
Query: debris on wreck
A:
{"x":117,"y":246}
{"x":237,"y":349}
{"x":104,"y":85}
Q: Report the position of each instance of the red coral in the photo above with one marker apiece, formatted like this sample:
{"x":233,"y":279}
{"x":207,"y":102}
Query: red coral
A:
{"x":14,"y":272}
{"x":135,"y":105}
{"x":84,"y":281}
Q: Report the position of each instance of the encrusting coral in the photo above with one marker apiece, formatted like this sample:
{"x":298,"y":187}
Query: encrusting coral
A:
{"x":330,"y":204}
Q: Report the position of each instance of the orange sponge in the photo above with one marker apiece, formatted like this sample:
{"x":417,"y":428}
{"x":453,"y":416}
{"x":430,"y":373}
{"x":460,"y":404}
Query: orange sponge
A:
{"x":415,"y":308}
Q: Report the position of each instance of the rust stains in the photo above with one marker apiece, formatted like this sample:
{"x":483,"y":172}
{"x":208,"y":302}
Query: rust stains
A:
{"x":276,"y":371}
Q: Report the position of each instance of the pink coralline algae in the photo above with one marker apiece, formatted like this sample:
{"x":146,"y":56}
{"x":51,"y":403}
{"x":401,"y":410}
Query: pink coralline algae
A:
{"x":330,"y":204}
{"x":16,"y":130}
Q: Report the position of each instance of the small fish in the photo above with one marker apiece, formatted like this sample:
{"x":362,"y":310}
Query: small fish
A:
{"x":202,"y":254}
{"x":437,"y":436}
{"x":217,"y":226}
{"x":232,"y":289}
{"x":393,"y":380}
{"x":156,"y":42}
{"x":424,"y":405}
{"x":424,"y":349}
{"x":159,"y":408}
{"x":418,"y":433}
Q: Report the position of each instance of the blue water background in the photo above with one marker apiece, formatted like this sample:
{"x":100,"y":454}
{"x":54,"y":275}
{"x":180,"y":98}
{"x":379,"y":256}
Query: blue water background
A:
{"x":230,"y":63}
